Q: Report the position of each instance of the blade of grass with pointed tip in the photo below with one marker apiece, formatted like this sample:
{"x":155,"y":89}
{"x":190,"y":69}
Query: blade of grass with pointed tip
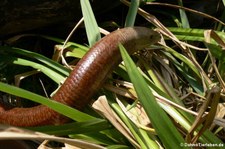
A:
{"x":183,"y":16}
{"x":91,"y":26}
{"x":164,"y":127}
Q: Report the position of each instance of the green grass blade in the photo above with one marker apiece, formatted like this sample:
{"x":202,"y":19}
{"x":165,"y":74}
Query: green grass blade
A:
{"x":56,"y":77}
{"x":118,"y":147}
{"x":131,"y":16}
{"x":50,"y":63}
{"x":90,"y":126}
{"x":61,"y":41}
{"x":134,"y":130}
{"x":91,"y":26}
{"x":97,"y":138}
{"x":195,"y":81}
{"x":75,"y":51}
{"x":216,"y":51}
{"x":165,"y":129}
{"x":183,"y":16}
{"x":59,"y":107}
{"x":223,"y":2}
{"x":192,"y":34}
{"x":184,"y":59}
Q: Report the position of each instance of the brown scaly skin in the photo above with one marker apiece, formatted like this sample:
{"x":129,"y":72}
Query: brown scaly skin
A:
{"x":87,"y":77}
